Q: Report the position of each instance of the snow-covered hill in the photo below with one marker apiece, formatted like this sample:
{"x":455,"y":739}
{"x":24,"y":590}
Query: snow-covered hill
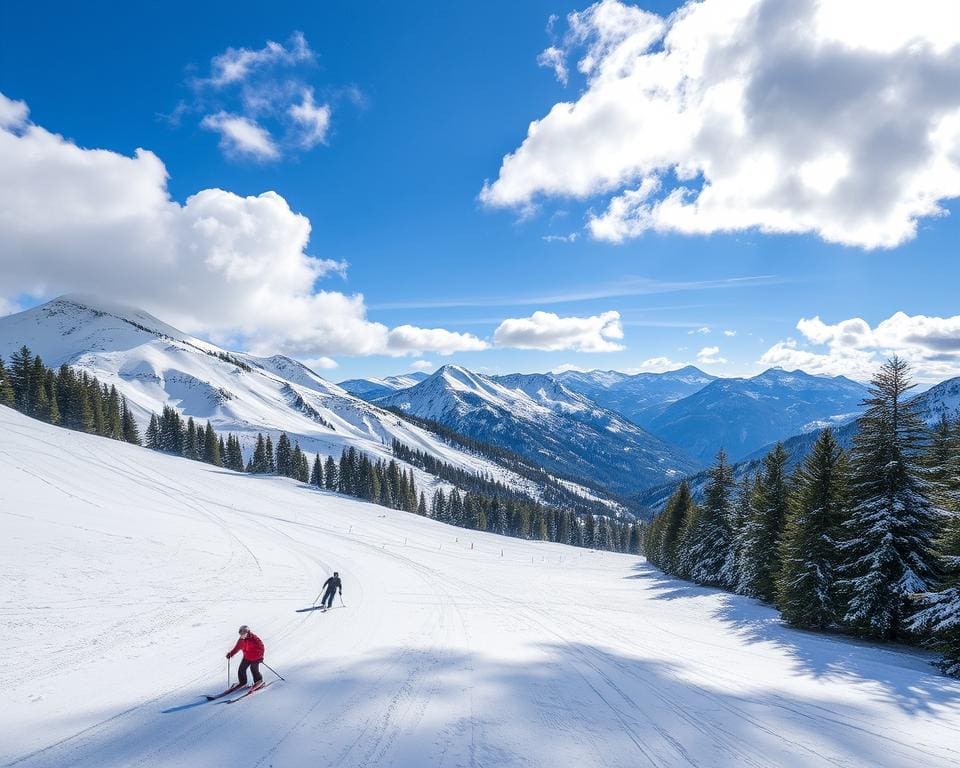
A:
{"x":371,"y":389}
{"x":640,"y":397}
{"x":537,"y":417}
{"x":127,"y":572}
{"x":940,"y":400}
{"x":742,"y":415}
{"x":154,"y":364}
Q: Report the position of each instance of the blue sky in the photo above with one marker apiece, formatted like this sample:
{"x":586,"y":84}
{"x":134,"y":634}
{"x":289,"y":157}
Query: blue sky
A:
{"x":425,"y":101}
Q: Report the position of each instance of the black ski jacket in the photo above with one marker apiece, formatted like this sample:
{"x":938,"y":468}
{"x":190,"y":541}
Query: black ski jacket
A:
{"x":332,"y":585}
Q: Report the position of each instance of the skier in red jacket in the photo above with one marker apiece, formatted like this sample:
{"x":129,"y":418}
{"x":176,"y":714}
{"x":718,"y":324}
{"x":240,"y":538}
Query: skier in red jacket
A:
{"x":252,"y":647}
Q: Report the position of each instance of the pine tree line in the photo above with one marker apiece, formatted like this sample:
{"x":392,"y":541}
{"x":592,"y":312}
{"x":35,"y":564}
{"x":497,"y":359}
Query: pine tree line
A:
{"x":65,"y":397}
{"x":170,"y":433}
{"x":866,"y":543}
{"x":490,"y":505}
{"x":554,"y":492}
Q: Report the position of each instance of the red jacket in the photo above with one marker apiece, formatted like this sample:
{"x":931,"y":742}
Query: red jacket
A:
{"x":252,"y":647}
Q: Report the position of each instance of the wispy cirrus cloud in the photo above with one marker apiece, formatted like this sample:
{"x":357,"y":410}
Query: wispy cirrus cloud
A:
{"x":262,"y":103}
{"x":633,"y":286}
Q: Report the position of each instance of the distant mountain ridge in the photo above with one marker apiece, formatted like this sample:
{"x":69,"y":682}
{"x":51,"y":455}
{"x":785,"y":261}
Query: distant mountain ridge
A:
{"x":639,"y":397}
{"x":371,"y":389}
{"x":943,"y":399}
{"x":742,"y":415}
{"x":536,"y":416}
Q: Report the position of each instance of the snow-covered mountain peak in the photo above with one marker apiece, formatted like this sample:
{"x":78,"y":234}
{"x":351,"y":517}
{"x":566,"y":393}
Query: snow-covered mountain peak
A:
{"x":155,"y":365}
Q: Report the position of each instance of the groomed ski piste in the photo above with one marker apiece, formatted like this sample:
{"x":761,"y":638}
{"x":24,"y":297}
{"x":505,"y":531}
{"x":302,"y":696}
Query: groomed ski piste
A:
{"x":126,"y":574}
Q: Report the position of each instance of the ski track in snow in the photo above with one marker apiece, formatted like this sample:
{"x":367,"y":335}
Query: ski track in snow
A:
{"x":127,"y":572}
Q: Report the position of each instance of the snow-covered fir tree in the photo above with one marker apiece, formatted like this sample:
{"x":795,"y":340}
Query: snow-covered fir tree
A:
{"x":758,"y":541}
{"x":708,"y":540}
{"x":888,"y":552}
{"x":939,"y":614}
{"x":807,"y":590}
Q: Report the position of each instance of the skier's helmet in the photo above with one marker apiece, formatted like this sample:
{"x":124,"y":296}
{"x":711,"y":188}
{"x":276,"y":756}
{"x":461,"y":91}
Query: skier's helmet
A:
{"x":244,"y":629}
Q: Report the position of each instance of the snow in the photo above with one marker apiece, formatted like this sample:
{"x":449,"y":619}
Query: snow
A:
{"x":126,"y":574}
{"x":153,"y":364}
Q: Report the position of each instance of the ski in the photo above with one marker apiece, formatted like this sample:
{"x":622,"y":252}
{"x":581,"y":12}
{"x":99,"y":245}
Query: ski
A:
{"x":312,"y":608}
{"x":253,"y":689}
{"x":227,"y":692}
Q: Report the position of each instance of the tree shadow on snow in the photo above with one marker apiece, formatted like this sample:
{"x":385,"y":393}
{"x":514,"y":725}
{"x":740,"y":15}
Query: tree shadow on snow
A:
{"x":565,"y":704}
{"x":904,"y":674}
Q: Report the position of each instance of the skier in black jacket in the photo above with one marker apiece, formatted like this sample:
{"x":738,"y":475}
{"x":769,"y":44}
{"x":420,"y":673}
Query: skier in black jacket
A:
{"x":332,"y":586}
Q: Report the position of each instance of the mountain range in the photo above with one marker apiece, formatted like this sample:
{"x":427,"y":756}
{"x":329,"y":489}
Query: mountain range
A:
{"x":741,"y":415}
{"x":640,"y":397}
{"x":154,"y":365}
{"x":537,"y":417}
{"x":602,"y":434}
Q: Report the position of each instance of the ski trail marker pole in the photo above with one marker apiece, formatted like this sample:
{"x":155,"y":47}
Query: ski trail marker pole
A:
{"x":274,"y":671}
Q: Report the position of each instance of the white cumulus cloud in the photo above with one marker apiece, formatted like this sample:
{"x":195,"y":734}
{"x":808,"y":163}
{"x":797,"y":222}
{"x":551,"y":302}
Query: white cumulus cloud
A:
{"x":548,"y":331}
{"x":421,"y":365}
{"x":856,"y":349}
{"x":840,"y":119}
{"x":710,"y":356}
{"x":222,"y":265}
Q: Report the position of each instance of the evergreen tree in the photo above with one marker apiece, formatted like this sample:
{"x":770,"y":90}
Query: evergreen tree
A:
{"x":114,"y":415}
{"x":284,"y":461}
{"x":330,"y":474}
{"x":679,"y":510}
{"x":760,"y":542}
{"x":6,"y":387}
{"x":190,"y":443}
{"x":153,"y":433}
{"x":316,"y":475}
{"x":211,"y":446}
{"x":259,"y":464}
{"x":939,"y":615}
{"x":271,"y":465}
{"x":128,"y":424}
{"x":708,"y":539}
{"x":438,"y":509}
{"x":889,"y":552}
{"x":422,"y":505}
{"x":809,"y":549}
{"x":21,"y":366}
{"x":235,"y":453}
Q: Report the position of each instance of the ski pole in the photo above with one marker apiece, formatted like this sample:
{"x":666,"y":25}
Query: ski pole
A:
{"x":340,"y":594}
{"x":228,"y":673}
{"x":274,"y":671}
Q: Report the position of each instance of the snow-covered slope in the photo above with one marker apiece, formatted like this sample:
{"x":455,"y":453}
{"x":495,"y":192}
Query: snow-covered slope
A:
{"x":154,"y":364}
{"x":539,"y":418}
{"x":742,"y":415}
{"x":127,"y":572}
{"x":940,"y":400}
{"x":639,"y":397}
{"x":371,"y":389}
